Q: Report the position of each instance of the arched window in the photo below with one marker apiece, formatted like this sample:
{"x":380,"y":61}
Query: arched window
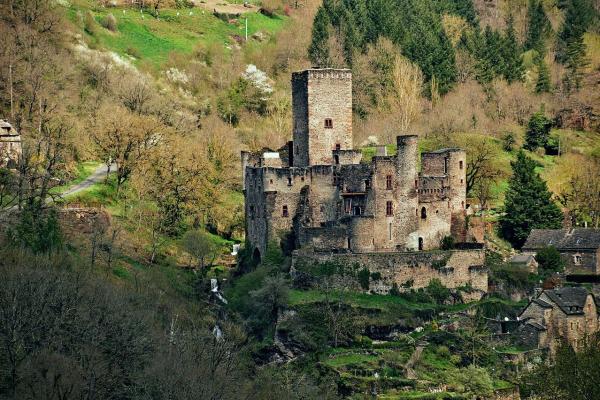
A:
{"x":423,"y":213}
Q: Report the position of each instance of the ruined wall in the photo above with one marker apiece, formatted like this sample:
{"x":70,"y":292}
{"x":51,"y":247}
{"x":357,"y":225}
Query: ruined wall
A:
{"x":320,"y":94}
{"x":453,"y":268}
{"x":10,"y":151}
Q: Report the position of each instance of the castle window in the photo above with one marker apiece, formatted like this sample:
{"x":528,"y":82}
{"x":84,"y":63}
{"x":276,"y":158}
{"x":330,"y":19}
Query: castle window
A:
{"x":390,"y":231}
{"x":423,"y":213}
{"x":348,"y":206}
{"x":445,"y":165}
{"x":416,"y":183}
{"x":462,"y":181}
{"x":284,"y":212}
{"x":338,"y":147}
{"x":328,"y":123}
{"x":460,"y":164}
{"x":389,"y":209}
{"x":577,"y":259}
{"x":462,"y":204}
{"x":336,"y":159}
{"x":271,"y":181}
{"x":388,"y":182}
{"x":289,"y":181}
{"x":302,"y":179}
{"x":252,"y":212}
{"x":367,"y":184}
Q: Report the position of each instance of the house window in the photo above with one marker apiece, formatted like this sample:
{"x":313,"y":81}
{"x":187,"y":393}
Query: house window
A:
{"x":389,"y":209}
{"x":423,"y":213}
{"x":347,"y":206}
{"x":284,"y":212}
{"x":328,"y":123}
{"x":577,"y":259}
{"x":388,"y":182}
{"x":460,"y":164}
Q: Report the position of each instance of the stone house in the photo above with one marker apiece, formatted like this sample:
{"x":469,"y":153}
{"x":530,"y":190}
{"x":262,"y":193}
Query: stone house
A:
{"x":318,"y":192}
{"x":567,"y":313}
{"x":10,"y":145}
{"x":525,"y":260}
{"x":579,"y":247}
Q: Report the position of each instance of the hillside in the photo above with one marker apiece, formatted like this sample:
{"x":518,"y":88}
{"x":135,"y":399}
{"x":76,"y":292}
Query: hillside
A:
{"x":143,"y":107}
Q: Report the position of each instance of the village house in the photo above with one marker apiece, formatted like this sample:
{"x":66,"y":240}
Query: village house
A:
{"x":10,"y":145}
{"x":526,"y":261}
{"x":567,"y":313}
{"x":579,"y":247}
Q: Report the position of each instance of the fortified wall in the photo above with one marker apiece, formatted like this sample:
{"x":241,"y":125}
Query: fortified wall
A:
{"x":412,"y":270}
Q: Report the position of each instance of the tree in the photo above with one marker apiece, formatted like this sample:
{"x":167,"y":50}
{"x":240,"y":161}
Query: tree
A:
{"x":538,"y":27}
{"x":511,"y":54}
{"x":200,"y":246}
{"x":528,"y":203}
{"x":538,"y":131}
{"x":542,"y":84}
{"x":406,"y":95}
{"x":549,"y":260}
{"x":578,"y":17}
{"x":125,"y":138}
{"x":267,"y":301}
{"x":582,"y":194}
{"x":318,"y":51}
{"x":571,"y":375}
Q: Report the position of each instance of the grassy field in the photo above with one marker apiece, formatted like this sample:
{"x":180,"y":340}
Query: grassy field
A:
{"x":151,"y":39}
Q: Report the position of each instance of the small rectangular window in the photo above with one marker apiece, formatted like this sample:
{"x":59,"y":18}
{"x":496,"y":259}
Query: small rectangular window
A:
{"x":338,"y":146}
{"x":348,"y":206}
{"x":328,"y":123}
{"x":460,"y":164}
{"x":388,"y":182}
{"x":389,"y":209}
{"x":284,"y":212}
{"x":367,"y":184}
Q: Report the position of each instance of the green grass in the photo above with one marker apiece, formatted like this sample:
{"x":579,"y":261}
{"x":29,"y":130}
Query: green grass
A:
{"x":84,"y":171}
{"x":154,"y":39}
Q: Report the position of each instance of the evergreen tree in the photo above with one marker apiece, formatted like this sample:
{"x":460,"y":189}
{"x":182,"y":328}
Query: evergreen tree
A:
{"x":578,"y":17}
{"x":543,"y":81}
{"x":538,"y":26}
{"x":511,"y":54}
{"x":318,"y":51}
{"x":538,"y":131}
{"x":528,"y":203}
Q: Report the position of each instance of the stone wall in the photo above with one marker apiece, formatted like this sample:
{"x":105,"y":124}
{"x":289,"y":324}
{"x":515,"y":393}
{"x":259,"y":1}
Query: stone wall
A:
{"x":453,"y":268}
{"x":589,"y":261}
{"x":320,"y":94}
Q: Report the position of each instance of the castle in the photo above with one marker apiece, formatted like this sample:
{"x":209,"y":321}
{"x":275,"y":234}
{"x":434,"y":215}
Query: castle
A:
{"x":317,"y":191}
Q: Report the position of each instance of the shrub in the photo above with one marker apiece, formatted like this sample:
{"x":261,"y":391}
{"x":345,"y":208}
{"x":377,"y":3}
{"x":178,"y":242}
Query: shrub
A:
{"x":89,"y":24}
{"x":110,"y":23}
{"x":133,"y":52}
{"x":447,"y":243}
{"x":363,"y":278}
{"x":437,"y":291}
{"x":549,"y":260}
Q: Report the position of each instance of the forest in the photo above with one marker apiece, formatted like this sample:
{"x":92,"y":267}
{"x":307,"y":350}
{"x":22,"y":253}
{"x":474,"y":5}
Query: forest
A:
{"x":136,"y":113}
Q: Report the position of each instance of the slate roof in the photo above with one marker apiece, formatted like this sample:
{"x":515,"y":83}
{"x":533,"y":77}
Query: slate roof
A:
{"x":536,"y":325}
{"x":541,"y":303}
{"x":570,"y":300}
{"x":564,"y":239}
{"x":522,"y":258}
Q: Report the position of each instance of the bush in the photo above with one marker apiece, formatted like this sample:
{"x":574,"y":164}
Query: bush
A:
{"x":447,"y":243}
{"x":133,"y":52}
{"x":38,"y":231}
{"x":363,"y":278}
{"x":89,"y":24}
{"x":437,"y":291}
{"x":538,"y":131}
{"x":110,"y":23}
{"x":549,"y":260}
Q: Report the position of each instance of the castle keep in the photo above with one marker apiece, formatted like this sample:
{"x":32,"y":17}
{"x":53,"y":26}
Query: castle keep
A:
{"x":317,"y":192}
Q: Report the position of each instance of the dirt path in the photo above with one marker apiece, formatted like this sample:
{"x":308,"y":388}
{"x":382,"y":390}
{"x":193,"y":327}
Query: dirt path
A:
{"x":97,"y":176}
{"x":409,"y":366}
{"x":222,"y":6}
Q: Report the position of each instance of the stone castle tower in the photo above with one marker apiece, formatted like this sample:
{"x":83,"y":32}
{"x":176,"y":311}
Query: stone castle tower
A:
{"x":318,"y":192}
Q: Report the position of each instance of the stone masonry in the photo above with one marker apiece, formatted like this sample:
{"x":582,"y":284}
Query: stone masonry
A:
{"x":317,"y":192}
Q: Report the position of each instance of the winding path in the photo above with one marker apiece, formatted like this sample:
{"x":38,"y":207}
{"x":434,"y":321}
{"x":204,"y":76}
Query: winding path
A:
{"x":97,"y":176}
